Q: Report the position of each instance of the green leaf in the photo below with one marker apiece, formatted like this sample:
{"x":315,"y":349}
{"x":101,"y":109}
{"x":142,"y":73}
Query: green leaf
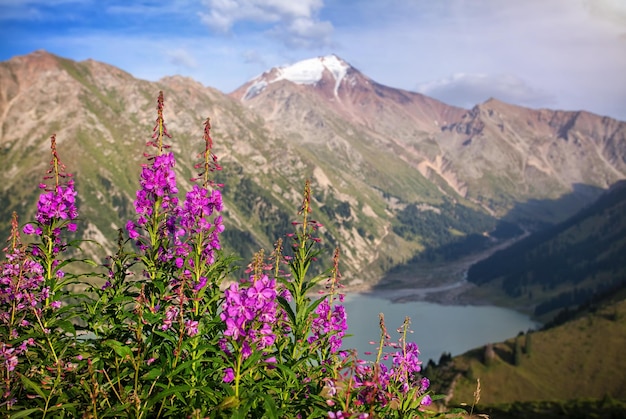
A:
{"x":177,"y":390}
{"x":119,"y":348}
{"x":24,"y":413}
{"x":285,"y":305}
{"x":270,"y":406}
{"x":152,"y":374}
{"x":229,"y":402}
{"x":252,"y":361}
{"x":242,"y":409}
{"x":184,"y":366}
{"x":121,"y":299}
{"x":286,"y":370}
{"x":166,"y":336}
{"x":66,"y":326}
{"x":30,"y":384}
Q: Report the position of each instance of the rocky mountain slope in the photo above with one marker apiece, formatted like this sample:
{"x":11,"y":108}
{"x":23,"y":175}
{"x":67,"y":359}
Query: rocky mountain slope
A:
{"x":497,"y":155}
{"x":371,"y":151}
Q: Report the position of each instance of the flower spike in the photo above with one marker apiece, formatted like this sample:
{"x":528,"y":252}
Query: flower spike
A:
{"x":159,"y":129}
{"x":209,"y":159}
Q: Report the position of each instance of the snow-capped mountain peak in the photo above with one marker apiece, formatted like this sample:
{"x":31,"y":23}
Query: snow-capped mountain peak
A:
{"x":308,"y":71}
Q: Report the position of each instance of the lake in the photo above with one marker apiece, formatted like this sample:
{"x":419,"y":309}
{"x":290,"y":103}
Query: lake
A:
{"x":436,"y":328}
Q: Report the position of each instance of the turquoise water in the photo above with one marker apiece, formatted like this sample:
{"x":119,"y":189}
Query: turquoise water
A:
{"x":436,"y":328}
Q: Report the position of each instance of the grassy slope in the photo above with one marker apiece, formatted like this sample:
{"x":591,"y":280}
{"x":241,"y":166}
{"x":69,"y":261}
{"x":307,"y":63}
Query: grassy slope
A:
{"x":581,"y":359}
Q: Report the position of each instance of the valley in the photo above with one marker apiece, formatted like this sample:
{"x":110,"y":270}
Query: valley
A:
{"x":443,"y":282}
{"x":496,"y":205}
{"x":413,"y":190}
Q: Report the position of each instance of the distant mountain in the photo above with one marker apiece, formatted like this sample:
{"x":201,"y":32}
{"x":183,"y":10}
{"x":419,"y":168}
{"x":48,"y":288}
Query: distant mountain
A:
{"x":344,"y":90}
{"x":378,"y":157}
{"x":565,"y":265}
{"x":497,"y":155}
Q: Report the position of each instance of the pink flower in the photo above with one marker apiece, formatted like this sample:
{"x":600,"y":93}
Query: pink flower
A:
{"x":229,"y":375}
{"x":191,"y":327}
{"x":29,"y":229}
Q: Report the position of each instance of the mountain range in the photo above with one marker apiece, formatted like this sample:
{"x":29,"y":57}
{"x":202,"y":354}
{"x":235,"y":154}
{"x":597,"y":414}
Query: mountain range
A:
{"x":381,"y":160}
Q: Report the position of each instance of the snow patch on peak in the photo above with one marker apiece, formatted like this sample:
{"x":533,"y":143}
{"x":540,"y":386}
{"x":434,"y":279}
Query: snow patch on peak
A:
{"x":303,"y":72}
{"x":310,"y":71}
{"x":254,"y":89}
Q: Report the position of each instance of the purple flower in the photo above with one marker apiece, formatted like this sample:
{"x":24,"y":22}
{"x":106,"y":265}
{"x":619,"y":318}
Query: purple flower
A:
{"x":57,"y":204}
{"x":196,"y":213}
{"x":21,"y":289}
{"x":426,"y":400}
{"x":191,"y":327}
{"x":229,"y":375}
{"x":249,"y":313}
{"x":8,"y":355}
{"x":201,"y":284}
{"x":407,"y":360}
{"x":157,"y":193}
{"x":29,"y":229}
{"x":130,"y":227}
{"x":331,"y":323}
{"x":170,"y":316}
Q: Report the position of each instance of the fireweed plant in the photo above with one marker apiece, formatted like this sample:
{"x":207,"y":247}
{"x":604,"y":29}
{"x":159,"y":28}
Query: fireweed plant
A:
{"x":159,"y":331}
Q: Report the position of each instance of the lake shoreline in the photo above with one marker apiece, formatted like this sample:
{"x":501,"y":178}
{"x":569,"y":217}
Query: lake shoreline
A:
{"x":453,"y":294}
{"x":444,"y":283}
{"x":437,"y":328}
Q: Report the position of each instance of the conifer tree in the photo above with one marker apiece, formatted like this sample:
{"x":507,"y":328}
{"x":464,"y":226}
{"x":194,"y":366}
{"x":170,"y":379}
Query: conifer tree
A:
{"x":517,"y":352}
{"x":528,"y":343}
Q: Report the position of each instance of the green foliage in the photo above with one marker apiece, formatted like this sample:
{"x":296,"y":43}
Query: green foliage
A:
{"x":528,"y":346}
{"x":155,"y":331}
{"x":517,"y":352}
{"x":448,"y":231}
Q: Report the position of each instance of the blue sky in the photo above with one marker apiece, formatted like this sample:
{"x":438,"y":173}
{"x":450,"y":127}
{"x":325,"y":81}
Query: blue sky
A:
{"x":561,"y":54}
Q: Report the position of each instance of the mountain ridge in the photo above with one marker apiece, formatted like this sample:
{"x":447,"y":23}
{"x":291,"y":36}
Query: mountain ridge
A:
{"x":434,"y":125}
{"x":370,"y":153}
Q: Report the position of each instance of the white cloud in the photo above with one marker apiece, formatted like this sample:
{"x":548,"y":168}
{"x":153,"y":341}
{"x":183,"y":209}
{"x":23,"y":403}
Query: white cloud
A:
{"x":182,"y":57}
{"x":295,"y":23}
{"x":252,"y":56}
{"x":568,"y":53}
{"x":304,"y":33}
{"x":565,"y":53}
{"x":610,"y":10}
{"x":30,"y":10}
{"x":466,"y":90}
